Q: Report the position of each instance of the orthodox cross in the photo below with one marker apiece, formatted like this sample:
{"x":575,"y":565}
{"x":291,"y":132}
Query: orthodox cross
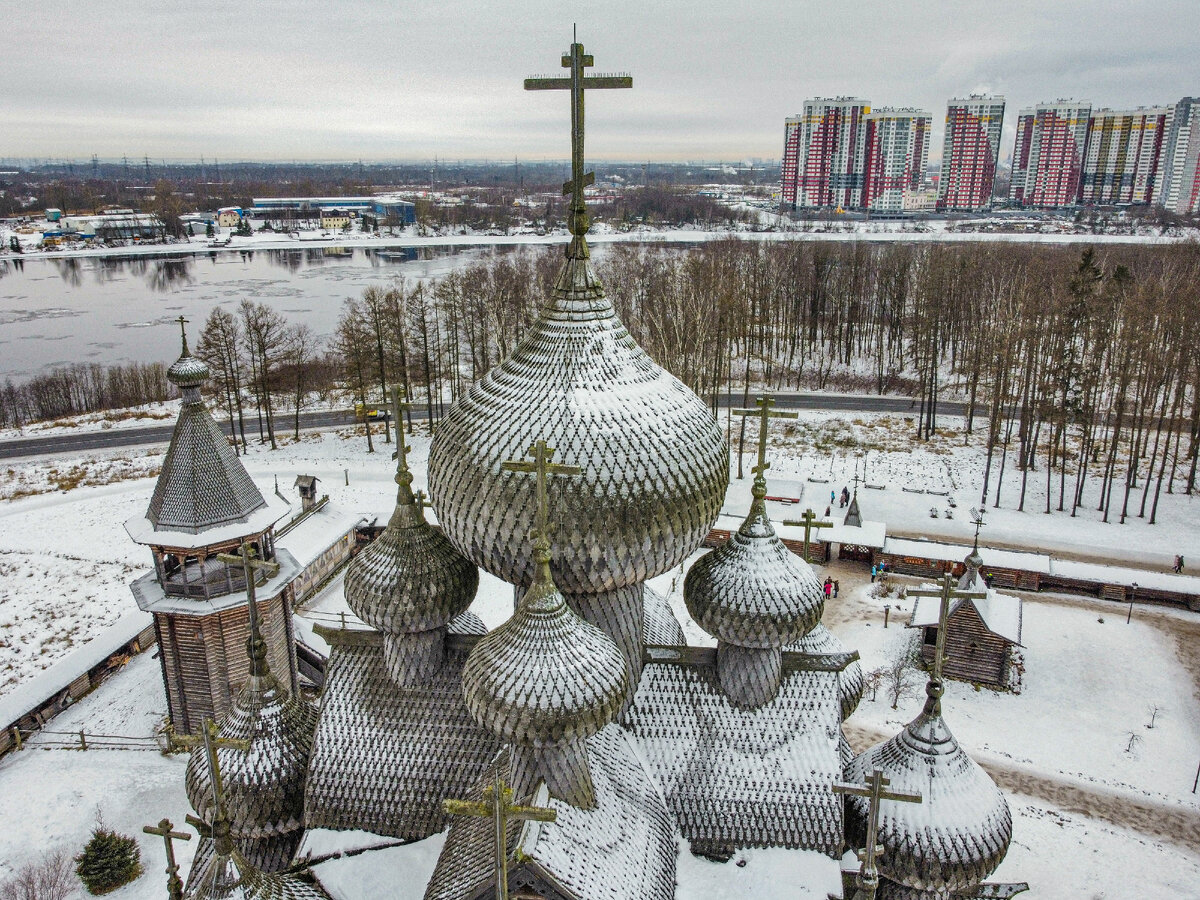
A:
{"x":163,"y":830}
{"x":808,"y":520}
{"x":403,"y":476}
{"x":218,"y":828}
{"x":856,"y":479}
{"x":543,"y":468}
{"x":497,"y":805}
{"x":945,"y":594}
{"x":576,"y":60}
{"x":246,"y":558}
{"x":977,"y":520}
{"x":183,"y":330}
{"x":868,"y":873}
{"x":764,"y":414}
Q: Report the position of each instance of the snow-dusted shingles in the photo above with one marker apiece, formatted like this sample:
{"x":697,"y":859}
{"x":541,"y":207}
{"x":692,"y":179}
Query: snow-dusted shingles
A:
{"x":624,"y":847}
{"x":735,"y":777}
{"x":385,"y":757}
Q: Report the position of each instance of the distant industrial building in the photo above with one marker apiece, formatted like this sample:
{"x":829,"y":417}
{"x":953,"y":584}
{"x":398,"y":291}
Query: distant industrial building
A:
{"x":970,"y":149}
{"x":403,"y":212}
{"x":825,"y":154}
{"x":895,"y":157}
{"x":1181,"y":159}
{"x":1049,"y":152}
{"x":1122,"y":165}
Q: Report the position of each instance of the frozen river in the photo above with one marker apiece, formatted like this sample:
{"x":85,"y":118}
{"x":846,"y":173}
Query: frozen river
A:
{"x":110,"y":310}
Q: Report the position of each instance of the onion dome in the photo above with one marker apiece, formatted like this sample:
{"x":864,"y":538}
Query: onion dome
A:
{"x":971,"y":580}
{"x":755,"y":596}
{"x":655,"y":463}
{"x":410,"y":583}
{"x":545,"y":681}
{"x":821,"y":641}
{"x":263,"y":787}
{"x":958,"y":834}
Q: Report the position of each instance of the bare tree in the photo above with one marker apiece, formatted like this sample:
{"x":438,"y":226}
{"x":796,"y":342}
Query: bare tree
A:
{"x":265,"y":337}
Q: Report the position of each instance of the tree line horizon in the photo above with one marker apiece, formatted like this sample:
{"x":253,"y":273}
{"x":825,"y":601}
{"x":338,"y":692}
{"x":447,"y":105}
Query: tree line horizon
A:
{"x":1073,"y":363}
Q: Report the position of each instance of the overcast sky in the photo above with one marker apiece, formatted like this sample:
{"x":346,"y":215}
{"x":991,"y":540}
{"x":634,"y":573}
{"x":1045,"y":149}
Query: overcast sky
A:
{"x":403,"y":80}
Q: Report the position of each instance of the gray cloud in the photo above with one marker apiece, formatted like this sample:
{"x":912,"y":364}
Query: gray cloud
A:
{"x":387,"y":80}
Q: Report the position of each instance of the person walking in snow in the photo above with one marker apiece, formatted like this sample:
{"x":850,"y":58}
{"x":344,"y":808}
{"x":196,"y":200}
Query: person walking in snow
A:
{"x":828,"y":587}
{"x":874,"y":572}
{"x":836,"y":587}
{"x":1178,"y":563}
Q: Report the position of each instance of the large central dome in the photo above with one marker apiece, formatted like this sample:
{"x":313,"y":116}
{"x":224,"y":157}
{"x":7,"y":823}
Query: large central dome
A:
{"x":655,"y":465}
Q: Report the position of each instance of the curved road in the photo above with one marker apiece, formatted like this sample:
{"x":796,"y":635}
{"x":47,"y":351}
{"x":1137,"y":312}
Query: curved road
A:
{"x":161,"y":434}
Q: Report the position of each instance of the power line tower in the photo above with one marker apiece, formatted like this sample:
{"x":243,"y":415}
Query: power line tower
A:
{"x":146,"y":162}
{"x":95,"y":166}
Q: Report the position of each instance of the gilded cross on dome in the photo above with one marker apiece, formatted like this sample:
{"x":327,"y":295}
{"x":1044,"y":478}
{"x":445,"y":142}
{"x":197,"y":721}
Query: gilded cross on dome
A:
{"x":576,"y":60}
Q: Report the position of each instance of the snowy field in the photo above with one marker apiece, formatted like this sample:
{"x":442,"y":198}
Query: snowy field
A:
{"x":1101,"y":802}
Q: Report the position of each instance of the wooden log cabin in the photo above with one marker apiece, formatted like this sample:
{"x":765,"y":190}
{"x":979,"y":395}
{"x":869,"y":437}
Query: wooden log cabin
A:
{"x":980,"y":635}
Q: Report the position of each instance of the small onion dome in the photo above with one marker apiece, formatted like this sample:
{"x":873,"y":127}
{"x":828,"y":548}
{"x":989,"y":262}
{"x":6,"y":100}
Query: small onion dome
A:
{"x":546,"y":680}
{"x":263,"y":787}
{"x":971,"y":579}
{"x":822,"y":641}
{"x":411,"y":579}
{"x":957,"y":835}
{"x":753,"y":591}
{"x":188,"y":371}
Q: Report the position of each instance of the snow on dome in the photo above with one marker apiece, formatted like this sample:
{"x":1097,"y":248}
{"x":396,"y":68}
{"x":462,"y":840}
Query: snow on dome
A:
{"x":754,"y":595}
{"x":960,"y":831}
{"x":546,"y":680}
{"x":188,"y":371}
{"x":263,"y":787}
{"x":655,"y":464}
{"x":409,"y":584}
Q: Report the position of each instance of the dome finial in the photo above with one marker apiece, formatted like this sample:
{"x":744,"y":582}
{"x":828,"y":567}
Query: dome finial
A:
{"x":404,"y":495}
{"x":576,"y":60}
{"x":183,"y":333}
{"x":249,"y":561}
{"x":764,"y":414}
{"x":946,"y":594}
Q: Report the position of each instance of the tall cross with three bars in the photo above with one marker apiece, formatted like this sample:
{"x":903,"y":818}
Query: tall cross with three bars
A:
{"x":543,"y":469}
{"x":164,"y":829}
{"x":808,"y":521}
{"x":868,"y":873}
{"x":576,"y":60}
{"x":497,"y":805}
{"x":250,"y":563}
{"x":947,"y":593}
{"x":764,"y":413}
{"x":218,"y":828}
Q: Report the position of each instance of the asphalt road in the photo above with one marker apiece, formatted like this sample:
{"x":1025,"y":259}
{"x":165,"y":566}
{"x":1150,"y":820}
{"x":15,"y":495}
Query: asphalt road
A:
{"x":161,"y":434}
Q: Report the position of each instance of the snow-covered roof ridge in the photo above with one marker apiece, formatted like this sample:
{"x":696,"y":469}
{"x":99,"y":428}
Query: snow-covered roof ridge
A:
{"x":1002,"y":614}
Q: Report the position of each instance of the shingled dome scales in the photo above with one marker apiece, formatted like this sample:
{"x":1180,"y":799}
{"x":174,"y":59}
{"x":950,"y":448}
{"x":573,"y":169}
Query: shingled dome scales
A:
{"x":753,"y":594}
{"x":411,"y":582}
{"x":960,"y":832}
{"x":202,"y":484}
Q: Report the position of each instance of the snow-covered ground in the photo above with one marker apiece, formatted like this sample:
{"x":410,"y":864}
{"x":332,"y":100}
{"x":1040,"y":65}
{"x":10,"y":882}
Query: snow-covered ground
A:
{"x":1080,"y":721}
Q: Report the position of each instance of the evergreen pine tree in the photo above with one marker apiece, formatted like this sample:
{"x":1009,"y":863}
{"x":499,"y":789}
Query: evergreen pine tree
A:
{"x":108,"y":861}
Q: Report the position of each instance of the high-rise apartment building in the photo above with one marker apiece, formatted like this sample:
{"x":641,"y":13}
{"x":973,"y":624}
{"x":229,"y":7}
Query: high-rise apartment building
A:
{"x":970,"y":149}
{"x":1181,"y":159}
{"x":895,"y":157}
{"x":824,"y":154}
{"x":1048,"y":154}
{"x":1123,"y":161}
